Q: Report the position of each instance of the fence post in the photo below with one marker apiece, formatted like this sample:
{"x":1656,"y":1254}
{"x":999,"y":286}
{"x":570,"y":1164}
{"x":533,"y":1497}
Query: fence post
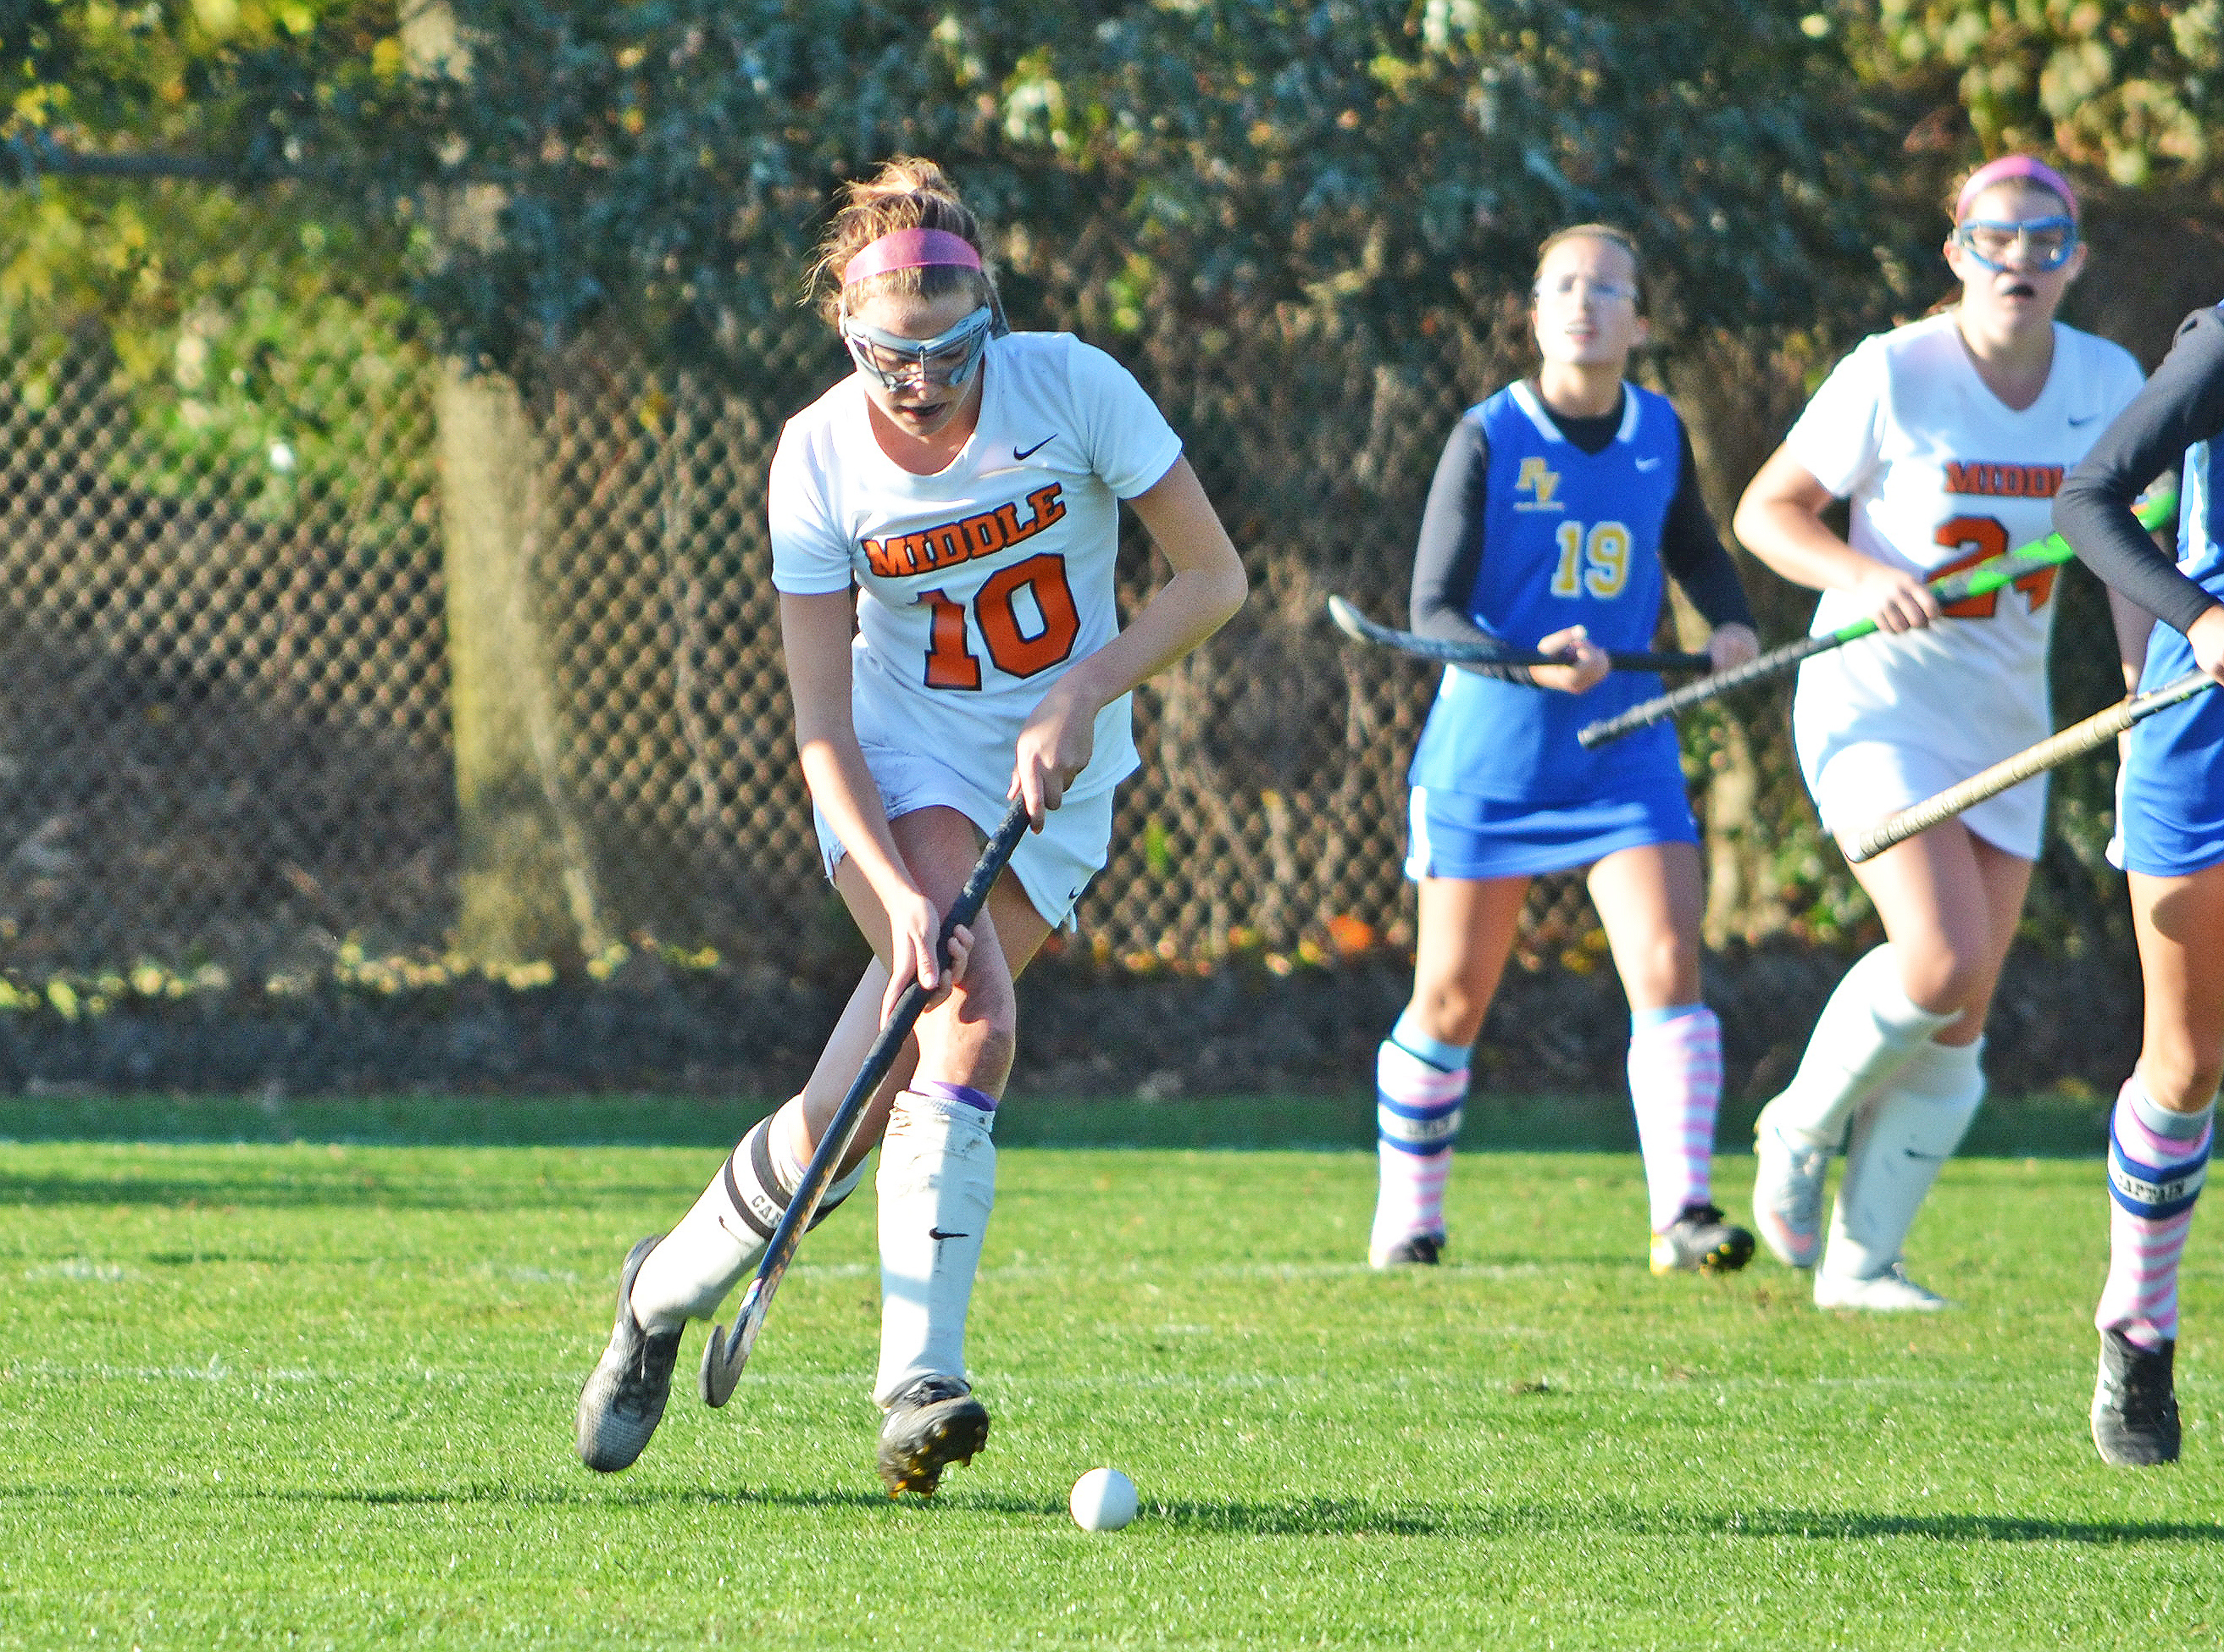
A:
{"x":527,"y":885}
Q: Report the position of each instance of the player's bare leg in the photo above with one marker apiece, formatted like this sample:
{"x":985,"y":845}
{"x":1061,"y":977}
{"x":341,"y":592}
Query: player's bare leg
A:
{"x":1467,"y":927}
{"x":1651,"y":900}
{"x":2159,"y":1145}
{"x":937,"y":1180}
{"x":1951,"y":910}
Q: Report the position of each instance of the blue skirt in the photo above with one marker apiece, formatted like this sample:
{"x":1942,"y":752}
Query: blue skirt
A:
{"x":1453,"y":835}
{"x":2171,"y":813}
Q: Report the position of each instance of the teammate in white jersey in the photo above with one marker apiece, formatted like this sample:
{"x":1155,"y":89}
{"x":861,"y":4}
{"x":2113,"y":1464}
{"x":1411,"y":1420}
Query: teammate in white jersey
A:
{"x":1948,"y":437}
{"x":967,"y":480}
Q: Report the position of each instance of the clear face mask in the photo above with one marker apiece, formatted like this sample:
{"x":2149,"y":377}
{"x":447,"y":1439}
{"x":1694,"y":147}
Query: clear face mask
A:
{"x":2032,"y":246}
{"x":901,"y":363}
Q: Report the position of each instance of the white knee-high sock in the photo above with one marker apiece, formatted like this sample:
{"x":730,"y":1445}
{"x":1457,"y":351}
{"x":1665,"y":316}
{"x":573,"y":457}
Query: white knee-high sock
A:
{"x":1420,"y":1089}
{"x":1901,"y":1138}
{"x":1866,"y":1032}
{"x":721,"y":1238}
{"x":2157,"y":1160}
{"x":1676,"y":1087}
{"x":938,"y":1183}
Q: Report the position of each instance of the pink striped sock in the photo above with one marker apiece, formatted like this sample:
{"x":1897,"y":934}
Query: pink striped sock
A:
{"x":1417,"y":1109}
{"x":2154,"y":1178}
{"x":1676,"y":1086}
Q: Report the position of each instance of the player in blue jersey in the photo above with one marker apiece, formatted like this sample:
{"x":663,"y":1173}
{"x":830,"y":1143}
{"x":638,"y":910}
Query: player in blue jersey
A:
{"x":2171,"y":825}
{"x":1560,"y":506}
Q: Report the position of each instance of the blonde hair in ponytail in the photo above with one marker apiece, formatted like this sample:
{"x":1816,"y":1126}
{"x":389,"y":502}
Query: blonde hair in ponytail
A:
{"x":906,"y":194}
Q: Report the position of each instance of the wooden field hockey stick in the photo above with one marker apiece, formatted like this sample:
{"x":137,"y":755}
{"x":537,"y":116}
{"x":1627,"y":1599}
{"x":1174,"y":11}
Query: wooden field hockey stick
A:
{"x":724,"y":1355}
{"x":2079,"y":738}
{"x":1979,"y":581}
{"x":1356,"y":626}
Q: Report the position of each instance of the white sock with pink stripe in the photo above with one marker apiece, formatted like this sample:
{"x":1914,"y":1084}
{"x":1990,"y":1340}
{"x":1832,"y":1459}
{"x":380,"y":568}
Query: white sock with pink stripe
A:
{"x":1419,"y":1084}
{"x":2158,"y":1160}
{"x":1676,"y":1087}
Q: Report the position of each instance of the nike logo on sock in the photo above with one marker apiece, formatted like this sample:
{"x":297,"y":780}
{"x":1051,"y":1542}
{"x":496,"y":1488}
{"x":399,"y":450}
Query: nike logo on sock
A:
{"x":1019,"y":453}
{"x":937,"y":1233}
{"x":1648,"y":464}
{"x":1928,"y":1158}
{"x":2087,"y":419}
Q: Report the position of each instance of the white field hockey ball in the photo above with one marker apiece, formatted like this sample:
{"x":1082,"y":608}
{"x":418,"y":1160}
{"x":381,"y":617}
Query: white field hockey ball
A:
{"x":1104,"y":1500}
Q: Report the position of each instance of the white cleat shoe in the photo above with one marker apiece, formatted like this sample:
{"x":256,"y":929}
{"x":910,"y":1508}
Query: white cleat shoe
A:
{"x":1889,"y":1292}
{"x":1787,"y":1194}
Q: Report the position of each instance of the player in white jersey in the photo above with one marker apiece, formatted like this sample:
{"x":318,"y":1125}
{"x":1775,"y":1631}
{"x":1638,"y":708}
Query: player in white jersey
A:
{"x":967,"y":480}
{"x":1949,"y":438}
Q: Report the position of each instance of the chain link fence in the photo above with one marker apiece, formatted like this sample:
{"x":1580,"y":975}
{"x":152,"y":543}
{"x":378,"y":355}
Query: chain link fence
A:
{"x":225,"y":745}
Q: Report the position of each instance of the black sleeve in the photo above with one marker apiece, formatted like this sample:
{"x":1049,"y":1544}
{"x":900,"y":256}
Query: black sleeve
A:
{"x":2183,"y":404}
{"x":1449,"y":554}
{"x":1693,"y":551}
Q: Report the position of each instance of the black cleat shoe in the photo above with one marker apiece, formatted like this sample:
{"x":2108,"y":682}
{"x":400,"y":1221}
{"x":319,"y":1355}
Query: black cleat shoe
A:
{"x":933,"y":1423}
{"x":1421,"y":1251}
{"x":624,"y":1400}
{"x":1699,"y":1241}
{"x":2135,"y":1403}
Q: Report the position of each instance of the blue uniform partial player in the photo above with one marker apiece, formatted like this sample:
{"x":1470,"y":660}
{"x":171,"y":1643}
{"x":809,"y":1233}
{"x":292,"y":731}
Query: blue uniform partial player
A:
{"x":1572,"y":539}
{"x":1559,"y":509}
{"x":2171,"y":828}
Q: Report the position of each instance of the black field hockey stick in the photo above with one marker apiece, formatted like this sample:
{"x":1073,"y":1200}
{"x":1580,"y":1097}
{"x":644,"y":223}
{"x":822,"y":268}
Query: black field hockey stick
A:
{"x":1356,"y":626}
{"x":1979,"y":581}
{"x":724,"y":1355}
{"x":2079,"y":738}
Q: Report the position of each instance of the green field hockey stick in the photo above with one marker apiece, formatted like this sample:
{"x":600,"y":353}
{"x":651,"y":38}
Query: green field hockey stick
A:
{"x":2079,"y":738}
{"x":724,"y":1354}
{"x":1985,"y":577}
{"x":1356,"y":626}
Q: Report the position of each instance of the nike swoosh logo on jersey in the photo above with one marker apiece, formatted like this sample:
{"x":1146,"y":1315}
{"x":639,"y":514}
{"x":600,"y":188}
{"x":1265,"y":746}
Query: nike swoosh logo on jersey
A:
{"x":1648,"y":464}
{"x":2087,"y":419}
{"x":1019,"y":454}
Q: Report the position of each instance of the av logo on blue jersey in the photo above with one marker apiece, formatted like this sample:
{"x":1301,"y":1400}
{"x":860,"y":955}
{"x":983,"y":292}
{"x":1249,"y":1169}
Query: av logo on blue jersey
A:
{"x":1540,"y":481}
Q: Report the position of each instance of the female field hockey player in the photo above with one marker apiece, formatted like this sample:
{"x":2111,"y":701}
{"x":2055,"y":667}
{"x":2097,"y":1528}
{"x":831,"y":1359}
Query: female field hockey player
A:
{"x":967,"y":480}
{"x":1558,"y":506}
{"x":2170,"y":824}
{"x":1949,"y":436}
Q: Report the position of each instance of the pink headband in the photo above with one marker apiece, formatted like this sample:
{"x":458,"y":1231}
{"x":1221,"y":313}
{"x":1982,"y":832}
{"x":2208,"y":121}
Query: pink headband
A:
{"x":2007,"y":168}
{"x":910,"y":250}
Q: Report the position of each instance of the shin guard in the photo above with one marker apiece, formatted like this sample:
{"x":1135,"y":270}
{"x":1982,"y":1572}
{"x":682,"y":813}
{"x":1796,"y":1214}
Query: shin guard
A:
{"x":936,"y":1183}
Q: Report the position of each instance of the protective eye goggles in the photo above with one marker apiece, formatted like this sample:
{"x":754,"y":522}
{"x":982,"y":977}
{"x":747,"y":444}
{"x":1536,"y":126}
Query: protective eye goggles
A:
{"x":900,"y":363}
{"x":2035,"y":244}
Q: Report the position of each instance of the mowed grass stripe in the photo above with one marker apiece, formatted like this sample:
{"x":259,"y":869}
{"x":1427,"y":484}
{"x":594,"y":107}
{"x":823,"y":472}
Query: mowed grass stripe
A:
{"x":321,"y":1395}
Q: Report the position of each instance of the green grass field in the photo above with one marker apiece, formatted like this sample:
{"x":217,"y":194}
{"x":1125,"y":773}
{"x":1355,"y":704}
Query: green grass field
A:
{"x":314,"y":1394}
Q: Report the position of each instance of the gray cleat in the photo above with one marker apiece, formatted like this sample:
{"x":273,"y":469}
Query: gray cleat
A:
{"x":2135,"y":1403}
{"x":624,"y":1400}
{"x":1787,"y":1193}
{"x":933,"y":1423}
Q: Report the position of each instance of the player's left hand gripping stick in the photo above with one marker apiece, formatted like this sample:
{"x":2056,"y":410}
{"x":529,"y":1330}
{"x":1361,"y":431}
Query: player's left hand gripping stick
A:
{"x":726,"y":1354}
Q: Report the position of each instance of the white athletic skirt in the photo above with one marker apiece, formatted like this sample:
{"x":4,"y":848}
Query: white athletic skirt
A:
{"x":1857,"y":783}
{"x":1053,"y":866}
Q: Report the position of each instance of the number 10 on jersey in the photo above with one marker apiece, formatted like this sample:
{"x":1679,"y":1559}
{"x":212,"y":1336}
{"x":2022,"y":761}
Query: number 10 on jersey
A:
{"x":1596,"y":560}
{"x":949,"y":662}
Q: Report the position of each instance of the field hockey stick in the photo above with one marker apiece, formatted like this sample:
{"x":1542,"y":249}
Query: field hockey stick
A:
{"x":1356,"y":626}
{"x":724,"y":1355}
{"x":1979,"y":581}
{"x":2095,"y":731}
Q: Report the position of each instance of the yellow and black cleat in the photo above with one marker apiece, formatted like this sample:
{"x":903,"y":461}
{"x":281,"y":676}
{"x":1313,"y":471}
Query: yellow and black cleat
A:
{"x":933,"y":1423}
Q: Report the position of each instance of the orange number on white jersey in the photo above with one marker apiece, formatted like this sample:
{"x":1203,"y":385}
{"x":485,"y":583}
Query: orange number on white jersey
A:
{"x":950,"y":665}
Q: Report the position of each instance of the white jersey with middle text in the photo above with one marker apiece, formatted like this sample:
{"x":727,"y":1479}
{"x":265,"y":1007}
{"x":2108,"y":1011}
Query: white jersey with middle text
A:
{"x":1941,"y":474}
{"x":979,"y":585}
